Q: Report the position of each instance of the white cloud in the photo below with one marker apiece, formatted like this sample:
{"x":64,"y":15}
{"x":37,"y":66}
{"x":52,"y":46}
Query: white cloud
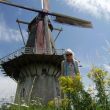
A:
{"x":7,"y":87}
{"x":9,"y":34}
{"x":107,"y":67}
{"x":98,"y":8}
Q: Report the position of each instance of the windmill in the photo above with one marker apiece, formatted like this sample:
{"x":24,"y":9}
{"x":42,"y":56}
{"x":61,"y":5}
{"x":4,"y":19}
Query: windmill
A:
{"x":36,"y":66}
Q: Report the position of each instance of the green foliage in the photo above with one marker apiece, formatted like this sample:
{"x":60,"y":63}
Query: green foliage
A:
{"x":98,"y":76}
{"x":80,"y":99}
{"x":58,"y":103}
{"x":19,"y":107}
{"x":71,"y":84}
{"x":73,"y":89}
{"x":74,"y":95}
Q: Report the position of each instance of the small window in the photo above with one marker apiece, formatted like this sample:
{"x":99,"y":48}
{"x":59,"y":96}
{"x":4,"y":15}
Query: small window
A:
{"x":44,"y":71}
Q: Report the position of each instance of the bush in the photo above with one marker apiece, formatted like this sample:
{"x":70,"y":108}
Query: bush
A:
{"x":73,"y":90}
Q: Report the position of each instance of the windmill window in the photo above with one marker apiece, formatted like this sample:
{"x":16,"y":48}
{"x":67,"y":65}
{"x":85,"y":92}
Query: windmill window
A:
{"x":44,"y":71}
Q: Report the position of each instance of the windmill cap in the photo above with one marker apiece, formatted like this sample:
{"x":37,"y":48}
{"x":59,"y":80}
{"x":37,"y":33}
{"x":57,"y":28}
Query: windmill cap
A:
{"x":67,"y":51}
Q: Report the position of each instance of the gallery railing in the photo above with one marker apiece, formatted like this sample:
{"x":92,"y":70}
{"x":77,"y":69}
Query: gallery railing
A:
{"x":30,"y":50}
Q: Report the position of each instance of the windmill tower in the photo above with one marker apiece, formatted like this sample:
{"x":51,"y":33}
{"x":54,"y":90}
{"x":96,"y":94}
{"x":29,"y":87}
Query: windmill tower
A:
{"x":36,"y":67}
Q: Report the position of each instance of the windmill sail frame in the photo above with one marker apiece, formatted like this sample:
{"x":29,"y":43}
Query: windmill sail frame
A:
{"x":58,"y":17}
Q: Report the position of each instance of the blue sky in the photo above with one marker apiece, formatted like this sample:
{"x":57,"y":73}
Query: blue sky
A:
{"x":91,"y":46}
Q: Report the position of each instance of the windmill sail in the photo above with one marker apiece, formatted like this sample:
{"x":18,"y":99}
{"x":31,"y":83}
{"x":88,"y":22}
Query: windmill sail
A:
{"x":46,"y":5}
{"x":71,"y":20}
{"x":58,"y":17}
